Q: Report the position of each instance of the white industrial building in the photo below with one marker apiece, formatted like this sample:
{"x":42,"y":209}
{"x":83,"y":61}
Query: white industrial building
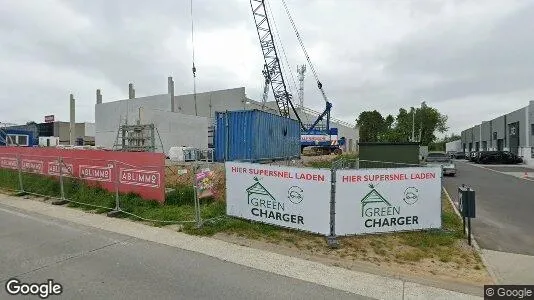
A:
{"x":454,"y":146}
{"x":182,"y":122}
{"x":512,"y":132}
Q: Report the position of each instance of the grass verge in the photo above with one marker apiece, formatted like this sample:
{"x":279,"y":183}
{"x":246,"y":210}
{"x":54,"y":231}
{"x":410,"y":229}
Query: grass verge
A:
{"x":178,"y":207}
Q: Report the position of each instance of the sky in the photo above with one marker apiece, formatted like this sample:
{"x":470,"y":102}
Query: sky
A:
{"x":470,"y":59}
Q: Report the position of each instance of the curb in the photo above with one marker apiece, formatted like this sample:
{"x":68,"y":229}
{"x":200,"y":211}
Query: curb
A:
{"x":354,"y":282}
{"x":486,"y":264}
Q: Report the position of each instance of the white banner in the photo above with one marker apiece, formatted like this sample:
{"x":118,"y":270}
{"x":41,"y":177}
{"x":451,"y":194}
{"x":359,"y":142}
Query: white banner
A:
{"x":291,"y":197}
{"x":383,"y":200}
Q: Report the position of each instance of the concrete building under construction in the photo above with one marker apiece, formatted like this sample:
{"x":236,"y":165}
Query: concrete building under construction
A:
{"x":181,"y":121}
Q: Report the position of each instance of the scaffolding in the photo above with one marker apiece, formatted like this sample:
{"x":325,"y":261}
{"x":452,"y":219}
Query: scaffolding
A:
{"x":136,"y":138}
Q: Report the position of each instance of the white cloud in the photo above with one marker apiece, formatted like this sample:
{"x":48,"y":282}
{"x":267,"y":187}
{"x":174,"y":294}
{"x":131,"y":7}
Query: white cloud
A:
{"x":369,"y":54}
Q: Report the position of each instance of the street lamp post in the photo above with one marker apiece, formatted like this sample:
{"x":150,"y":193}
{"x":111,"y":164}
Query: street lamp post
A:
{"x":413,"y":125}
{"x":423,"y":103}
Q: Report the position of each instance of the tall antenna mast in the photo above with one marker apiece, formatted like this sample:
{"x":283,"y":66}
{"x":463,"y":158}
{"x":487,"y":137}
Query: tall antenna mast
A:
{"x":301,"y":70}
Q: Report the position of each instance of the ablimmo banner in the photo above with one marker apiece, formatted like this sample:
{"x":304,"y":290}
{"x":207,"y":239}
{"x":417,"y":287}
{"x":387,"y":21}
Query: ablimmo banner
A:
{"x":142,"y":173}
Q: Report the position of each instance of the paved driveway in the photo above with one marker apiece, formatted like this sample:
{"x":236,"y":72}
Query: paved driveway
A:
{"x":505,"y":208}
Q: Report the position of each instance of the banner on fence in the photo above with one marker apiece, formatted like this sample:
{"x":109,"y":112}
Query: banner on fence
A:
{"x":384,"y":200}
{"x":140,"y":173}
{"x":204,"y":183}
{"x":298,"y":198}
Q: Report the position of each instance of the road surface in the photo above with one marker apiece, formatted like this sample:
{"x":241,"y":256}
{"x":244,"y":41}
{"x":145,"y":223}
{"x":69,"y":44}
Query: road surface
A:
{"x":96,"y":264}
{"x":504,"y":208}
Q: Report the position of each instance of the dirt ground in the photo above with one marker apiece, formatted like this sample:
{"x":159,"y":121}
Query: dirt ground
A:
{"x":423,"y":255}
{"x":360,"y":254}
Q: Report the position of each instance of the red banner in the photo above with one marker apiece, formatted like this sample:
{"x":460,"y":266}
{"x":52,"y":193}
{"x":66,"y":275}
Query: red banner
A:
{"x":138,"y":172}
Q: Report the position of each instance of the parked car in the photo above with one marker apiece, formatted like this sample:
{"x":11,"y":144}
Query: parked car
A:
{"x":458,"y":155}
{"x":472,"y":156}
{"x":499,"y":157}
{"x":443,"y":160}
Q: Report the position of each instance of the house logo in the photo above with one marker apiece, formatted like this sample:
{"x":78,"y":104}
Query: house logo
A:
{"x":258,"y":192}
{"x":377,"y":212}
{"x":411,"y":195}
{"x":373,"y":197}
{"x":264,"y":206}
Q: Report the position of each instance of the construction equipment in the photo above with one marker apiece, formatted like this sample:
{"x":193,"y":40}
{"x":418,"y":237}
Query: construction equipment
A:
{"x":318,"y":134}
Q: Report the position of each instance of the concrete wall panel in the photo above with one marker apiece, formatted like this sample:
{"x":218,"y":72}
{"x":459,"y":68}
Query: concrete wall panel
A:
{"x":174,"y":129}
{"x":210,"y":102}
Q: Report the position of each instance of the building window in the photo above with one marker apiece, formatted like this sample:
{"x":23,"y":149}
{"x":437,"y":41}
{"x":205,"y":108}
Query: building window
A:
{"x":532,"y":129}
{"x":11,"y":140}
{"x":495,"y":135}
{"x":17,"y":140}
{"x":23,"y":140}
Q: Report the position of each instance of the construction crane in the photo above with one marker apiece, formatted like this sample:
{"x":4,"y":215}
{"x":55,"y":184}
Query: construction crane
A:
{"x":274,"y":75}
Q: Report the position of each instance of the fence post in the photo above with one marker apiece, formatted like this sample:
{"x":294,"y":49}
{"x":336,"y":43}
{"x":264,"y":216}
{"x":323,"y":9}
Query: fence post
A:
{"x":117,"y":208}
{"x":19,"y":165}
{"x":331,"y":239}
{"x":61,"y":184}
{"x":198,"y":216}
{"x":62,"y":187}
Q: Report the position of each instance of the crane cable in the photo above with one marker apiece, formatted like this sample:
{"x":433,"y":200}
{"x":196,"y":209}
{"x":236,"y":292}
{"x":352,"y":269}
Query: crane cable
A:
{"x":277,"y":35}
{"x":194,"y":69}
{"x":319,"y":84}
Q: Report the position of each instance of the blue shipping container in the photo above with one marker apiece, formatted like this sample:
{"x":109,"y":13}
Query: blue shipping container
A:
{"x":253,"y":135}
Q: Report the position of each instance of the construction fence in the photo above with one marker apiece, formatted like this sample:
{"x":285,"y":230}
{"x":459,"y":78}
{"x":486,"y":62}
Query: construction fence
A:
{"x":352,"y":197}
{"x":107,"y":181}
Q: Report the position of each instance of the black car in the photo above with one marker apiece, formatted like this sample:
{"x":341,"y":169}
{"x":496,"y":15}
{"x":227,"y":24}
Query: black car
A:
{"x":472,"y":156}
{"x":458,"y":155}
{"x":499,"y":157}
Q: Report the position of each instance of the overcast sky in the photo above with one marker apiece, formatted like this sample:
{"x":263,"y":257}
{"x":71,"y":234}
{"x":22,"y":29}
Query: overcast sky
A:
{"x":473,"y":60}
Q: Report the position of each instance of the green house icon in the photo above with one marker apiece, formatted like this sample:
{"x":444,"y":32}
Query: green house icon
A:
{"x":373,"y":197}
{"x":258,"y":191}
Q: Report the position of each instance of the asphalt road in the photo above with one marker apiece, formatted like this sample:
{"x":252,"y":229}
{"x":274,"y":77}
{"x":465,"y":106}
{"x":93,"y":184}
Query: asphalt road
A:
{"x":504,"y":208}
{"x":96,"y":264}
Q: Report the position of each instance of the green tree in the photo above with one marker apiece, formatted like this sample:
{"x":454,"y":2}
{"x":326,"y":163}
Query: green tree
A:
{"x":426,"y":122}
{"x":372,"y":125}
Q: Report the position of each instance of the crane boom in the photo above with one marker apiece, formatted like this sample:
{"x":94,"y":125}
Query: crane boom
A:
{"x":272,"y":62}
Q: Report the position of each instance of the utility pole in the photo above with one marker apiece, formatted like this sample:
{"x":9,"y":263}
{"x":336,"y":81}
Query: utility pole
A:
{"x":423,"y":104}
{"x":413,"y":124}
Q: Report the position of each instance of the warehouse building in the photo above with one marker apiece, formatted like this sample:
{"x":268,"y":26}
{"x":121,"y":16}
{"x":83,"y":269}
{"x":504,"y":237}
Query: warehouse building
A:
{"x":187,"y":120}
{"x":512,"y":132}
